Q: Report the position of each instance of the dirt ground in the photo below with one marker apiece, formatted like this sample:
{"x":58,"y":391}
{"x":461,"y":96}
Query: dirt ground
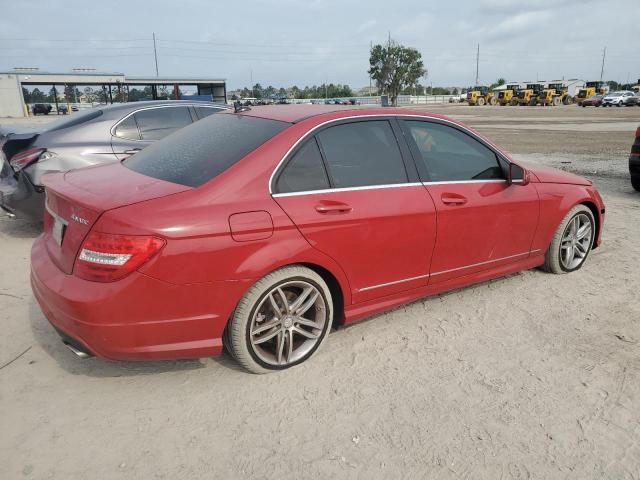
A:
{"x":534,"y":376}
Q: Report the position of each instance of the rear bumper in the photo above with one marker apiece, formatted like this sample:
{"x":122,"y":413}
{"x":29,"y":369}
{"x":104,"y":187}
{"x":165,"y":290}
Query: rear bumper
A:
{"x":19,"y":196}
{"x":136,"y":318}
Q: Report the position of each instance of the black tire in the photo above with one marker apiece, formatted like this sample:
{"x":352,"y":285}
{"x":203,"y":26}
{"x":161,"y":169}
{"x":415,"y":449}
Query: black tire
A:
{"x":552,"y":263}
{"x":635,"y":182}
{"x":533,"y":102}
{"x":238,"y":334}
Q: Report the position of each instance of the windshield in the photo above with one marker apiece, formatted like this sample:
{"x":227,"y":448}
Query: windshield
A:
{"x":616,"y":94}
{"x":198,"y":153}
{"x":73,"y":120}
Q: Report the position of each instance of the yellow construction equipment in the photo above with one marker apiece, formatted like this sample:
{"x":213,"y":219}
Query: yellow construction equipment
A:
{"x":481,"y":96}
{"x":529,"y":95}
{"x":591,"y":89}
{"x":555,"y":94}
{"x":509,"y":96}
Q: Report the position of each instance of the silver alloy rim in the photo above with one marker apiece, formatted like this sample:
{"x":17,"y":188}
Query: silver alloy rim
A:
{"x":576,"y":241}
{"x":288,"y":323}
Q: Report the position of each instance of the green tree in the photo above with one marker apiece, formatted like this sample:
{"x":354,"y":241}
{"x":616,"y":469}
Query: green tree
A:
{"x":497,"y":83}
{"x":395,"y":67}
{"x":71,"y":93}
{"x":257,"y":91}
{"x":37,"y":96}
{"x":26,"y":94}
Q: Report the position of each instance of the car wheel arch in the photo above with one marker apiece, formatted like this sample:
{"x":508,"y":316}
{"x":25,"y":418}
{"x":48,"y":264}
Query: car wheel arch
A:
{"x":596,"y":217}
{"x":335,"y":286}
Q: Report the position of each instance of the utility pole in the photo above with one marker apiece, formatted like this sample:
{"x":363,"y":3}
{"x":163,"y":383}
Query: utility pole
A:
{"x":604,"y":54}
{"x":370,"y":48}
{"x":477,"y":63}
{"x":155,"y":52}
{"x":253,"y":93}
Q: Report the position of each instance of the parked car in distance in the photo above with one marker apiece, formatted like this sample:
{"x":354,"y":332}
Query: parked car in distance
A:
{"x":41,"y":108}
{"x":635,"y":100}
{"x":265,"y":243}
{"x":594,"y":101}
{"x":634,"y":162}
{"x":92,"y":137}
{"x":619,"y":99}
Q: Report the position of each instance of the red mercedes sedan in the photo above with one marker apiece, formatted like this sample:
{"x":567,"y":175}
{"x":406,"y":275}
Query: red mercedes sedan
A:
{"x":261,"y":230}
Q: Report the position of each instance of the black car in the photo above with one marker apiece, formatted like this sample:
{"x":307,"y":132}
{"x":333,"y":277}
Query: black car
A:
{"x":634,"y":162}
{"x":41,"y":108}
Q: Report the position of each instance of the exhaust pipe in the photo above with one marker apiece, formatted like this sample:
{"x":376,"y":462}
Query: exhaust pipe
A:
{"x":80,"y":353}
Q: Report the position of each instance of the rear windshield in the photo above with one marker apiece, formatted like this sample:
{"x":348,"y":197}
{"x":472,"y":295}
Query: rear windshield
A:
{"x":195,"y":154}
{"x":73,"y":120}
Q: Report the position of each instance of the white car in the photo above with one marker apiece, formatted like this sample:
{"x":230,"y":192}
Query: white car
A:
{"x":620,"y":98}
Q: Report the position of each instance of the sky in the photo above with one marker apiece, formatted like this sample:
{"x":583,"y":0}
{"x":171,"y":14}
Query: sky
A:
{"x":307,"y":42}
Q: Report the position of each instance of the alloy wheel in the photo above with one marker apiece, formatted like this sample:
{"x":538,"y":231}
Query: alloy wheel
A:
{"x":576,"y":241}
{"x":288,"y":323}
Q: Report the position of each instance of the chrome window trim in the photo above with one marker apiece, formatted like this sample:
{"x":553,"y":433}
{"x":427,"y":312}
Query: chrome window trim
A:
{"x":381,"y":116}
{"x":112,"y":130}
{"x":404,"y":280}
{"x":346,"y":189}
{"x":393,"y":185}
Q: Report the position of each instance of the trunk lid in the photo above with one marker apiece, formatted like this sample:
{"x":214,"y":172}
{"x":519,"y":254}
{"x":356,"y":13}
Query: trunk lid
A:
{"x":76,"y":199}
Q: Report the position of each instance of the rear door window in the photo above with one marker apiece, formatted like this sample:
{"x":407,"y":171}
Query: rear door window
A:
{"x":447,"y":154}
{"x":362,"y":154}
{"x":128,"y":129}
{"x":195,"y":154}
{"x":157,"y":123}
{"x":304,"y":172}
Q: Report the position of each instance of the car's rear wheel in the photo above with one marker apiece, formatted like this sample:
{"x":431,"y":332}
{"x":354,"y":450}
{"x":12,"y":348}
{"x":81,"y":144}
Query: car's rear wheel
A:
{"x":572,"y":241}
{"x":281,"y":321}
{"x":635,"y":182}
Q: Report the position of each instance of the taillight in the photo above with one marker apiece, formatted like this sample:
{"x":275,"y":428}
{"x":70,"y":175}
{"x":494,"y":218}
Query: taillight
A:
{"x":638,"y":132}
{"x":106,"y":257}
{"x":24,"y":159}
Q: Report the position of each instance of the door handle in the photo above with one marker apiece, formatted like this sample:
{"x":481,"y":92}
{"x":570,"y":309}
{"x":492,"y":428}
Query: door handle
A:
{"x":333,"y":208}
{"x":453,"y":199}
{"x":132,"y":151}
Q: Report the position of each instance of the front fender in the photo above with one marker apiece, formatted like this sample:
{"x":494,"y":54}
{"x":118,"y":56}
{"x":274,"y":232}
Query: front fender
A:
{"x":556,"y":200}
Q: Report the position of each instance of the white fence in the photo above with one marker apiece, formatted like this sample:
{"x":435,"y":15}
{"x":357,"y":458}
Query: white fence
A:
{"x":376,"y":100}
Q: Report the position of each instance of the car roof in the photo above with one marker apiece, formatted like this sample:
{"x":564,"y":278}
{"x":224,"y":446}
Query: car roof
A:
{"x":297,"y":113}
{"x":156,"y":103}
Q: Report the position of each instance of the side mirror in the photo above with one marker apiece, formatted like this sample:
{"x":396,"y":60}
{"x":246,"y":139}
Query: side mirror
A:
{"x":517,"y":175}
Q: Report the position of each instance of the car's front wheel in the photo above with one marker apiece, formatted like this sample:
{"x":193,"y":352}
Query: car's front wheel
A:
{"x":635,"y":182}
{"x":281,"y":321}
{"x":572,"y":241}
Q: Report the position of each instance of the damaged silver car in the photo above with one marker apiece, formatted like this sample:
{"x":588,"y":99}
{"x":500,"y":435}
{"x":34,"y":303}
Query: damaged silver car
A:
{"x":96,"y":136}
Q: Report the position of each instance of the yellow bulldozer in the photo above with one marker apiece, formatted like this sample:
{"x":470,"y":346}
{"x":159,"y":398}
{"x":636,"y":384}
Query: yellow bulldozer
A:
{"x":591,"y":89}
{"x":509,"y":96}
{"x":529,"y":94}
{"x":481,"y":96}
{"x":555,"y":94}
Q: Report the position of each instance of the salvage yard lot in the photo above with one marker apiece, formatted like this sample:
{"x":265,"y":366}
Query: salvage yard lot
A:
{"x":530,"y":376}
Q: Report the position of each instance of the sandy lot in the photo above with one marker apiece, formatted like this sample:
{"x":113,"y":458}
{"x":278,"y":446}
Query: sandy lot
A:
{"x":534,"y":376}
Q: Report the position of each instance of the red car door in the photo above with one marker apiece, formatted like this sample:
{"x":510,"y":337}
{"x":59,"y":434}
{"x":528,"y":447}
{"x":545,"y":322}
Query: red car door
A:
{"x":483,"y":221}
{"x":348,"y":192}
